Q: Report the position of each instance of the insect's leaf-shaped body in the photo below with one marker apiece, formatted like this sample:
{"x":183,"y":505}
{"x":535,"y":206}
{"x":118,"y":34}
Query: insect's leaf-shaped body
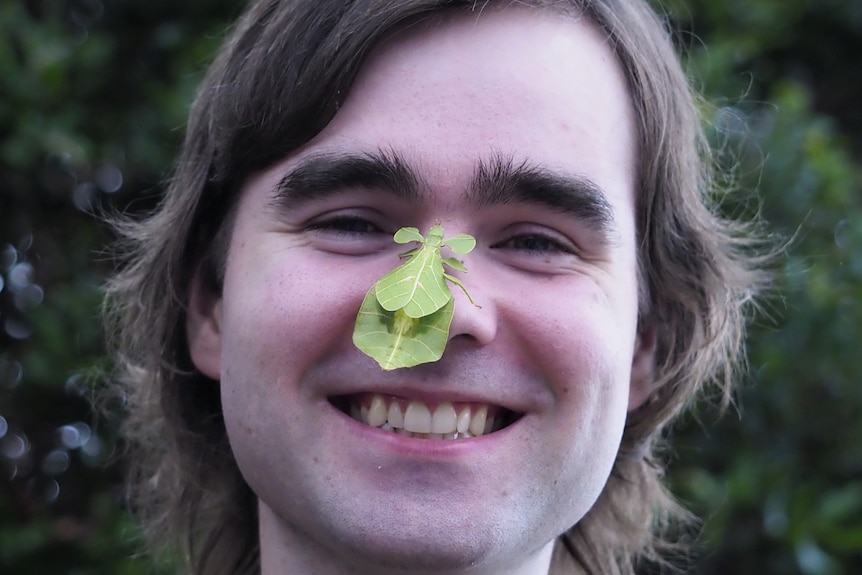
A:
{"x":396,"y":340}
{"x":434,"y":239}
{"x":418,"y":286}
{"x":405,"y":317}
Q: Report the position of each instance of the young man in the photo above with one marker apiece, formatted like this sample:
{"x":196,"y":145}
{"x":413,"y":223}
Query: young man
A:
{"x":563,"y":137}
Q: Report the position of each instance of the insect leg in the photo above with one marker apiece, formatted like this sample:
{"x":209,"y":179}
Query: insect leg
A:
{"x":458,"y":283}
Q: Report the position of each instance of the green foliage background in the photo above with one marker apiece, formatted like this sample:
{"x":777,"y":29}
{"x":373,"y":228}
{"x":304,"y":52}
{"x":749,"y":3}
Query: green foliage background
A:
{"x":93,"y":98}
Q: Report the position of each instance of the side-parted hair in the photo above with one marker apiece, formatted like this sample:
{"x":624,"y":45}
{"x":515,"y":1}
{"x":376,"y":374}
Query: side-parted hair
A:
{"x":277,"y":81}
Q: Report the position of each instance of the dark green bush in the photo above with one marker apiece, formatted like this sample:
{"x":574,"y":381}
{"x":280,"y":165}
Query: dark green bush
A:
{"x":93,"y":99}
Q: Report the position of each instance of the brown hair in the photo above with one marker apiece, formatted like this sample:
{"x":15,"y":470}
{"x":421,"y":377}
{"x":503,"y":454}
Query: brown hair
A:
{"x":275,"y":84}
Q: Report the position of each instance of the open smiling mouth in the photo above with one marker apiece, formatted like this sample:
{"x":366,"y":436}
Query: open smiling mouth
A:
{"x":413,"y":418}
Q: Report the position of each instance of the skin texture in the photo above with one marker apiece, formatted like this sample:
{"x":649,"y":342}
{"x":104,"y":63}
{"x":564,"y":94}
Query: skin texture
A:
{"x":555,"y":339}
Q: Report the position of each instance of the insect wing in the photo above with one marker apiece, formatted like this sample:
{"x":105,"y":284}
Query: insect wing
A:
{"x":396,"y":340}
{"x":417,"y":286}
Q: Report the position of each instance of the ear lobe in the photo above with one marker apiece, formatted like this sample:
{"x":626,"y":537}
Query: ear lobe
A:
{"x":203,"y":328}
{"x":643,"y":367}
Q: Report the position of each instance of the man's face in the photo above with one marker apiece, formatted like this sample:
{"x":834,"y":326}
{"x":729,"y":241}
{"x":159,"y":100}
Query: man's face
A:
{"x":514,"y":127}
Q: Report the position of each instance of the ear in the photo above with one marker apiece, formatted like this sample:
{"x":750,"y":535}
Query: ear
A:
{"x":203,"y":328}
{"x":643,"y":366}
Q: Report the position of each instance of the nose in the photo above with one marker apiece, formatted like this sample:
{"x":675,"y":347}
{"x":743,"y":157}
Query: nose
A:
{"x":476,"y":320}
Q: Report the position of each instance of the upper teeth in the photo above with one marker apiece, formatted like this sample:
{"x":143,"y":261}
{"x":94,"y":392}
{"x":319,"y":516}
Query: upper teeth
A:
{"x":445,"y":421}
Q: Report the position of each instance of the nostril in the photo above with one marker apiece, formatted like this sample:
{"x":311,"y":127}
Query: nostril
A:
{"x":475,"y":320}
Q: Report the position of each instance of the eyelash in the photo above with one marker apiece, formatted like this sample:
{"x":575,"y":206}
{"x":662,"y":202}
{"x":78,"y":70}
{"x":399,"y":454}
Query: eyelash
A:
{"x":552,"y":245}
{"x":345,"y":225}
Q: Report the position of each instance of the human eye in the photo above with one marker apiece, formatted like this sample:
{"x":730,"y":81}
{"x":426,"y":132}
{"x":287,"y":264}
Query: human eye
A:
{"x":537,"y":249}
{"x":349,"y":233}
{"x":536,"y":243}
{"x":346,"y":225}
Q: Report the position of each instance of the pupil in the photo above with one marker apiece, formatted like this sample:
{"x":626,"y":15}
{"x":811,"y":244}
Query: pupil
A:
{"x":532,"y":243}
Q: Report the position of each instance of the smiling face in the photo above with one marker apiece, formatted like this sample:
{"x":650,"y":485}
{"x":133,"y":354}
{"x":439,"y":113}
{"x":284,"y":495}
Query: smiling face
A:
{"x":514,"y":127}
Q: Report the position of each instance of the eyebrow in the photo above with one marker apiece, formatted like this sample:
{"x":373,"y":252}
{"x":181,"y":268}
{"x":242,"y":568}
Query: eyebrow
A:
{"x":498,"y":181}
{"x":501,"y":181}
{"x":325,"y":174}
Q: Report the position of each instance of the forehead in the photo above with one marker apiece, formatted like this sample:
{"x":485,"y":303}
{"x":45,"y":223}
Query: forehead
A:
{"x":527,"y":83}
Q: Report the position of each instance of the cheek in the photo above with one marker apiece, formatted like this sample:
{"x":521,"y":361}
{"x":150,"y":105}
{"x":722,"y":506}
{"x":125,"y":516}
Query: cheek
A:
{"x":285,"y":318}
{"x":582,"y":335}
{"x":279,"y":322}
{"x":583,"y":355}
{"x":583,"y":350}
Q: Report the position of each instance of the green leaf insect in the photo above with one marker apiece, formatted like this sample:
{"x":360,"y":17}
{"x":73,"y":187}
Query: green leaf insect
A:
{"x":395,"y":339}
{"x":419,"y":285}
{"x":405,"y":317}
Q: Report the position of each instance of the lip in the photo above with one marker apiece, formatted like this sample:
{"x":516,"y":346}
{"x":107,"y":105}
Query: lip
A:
{"x":481,"y":380}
